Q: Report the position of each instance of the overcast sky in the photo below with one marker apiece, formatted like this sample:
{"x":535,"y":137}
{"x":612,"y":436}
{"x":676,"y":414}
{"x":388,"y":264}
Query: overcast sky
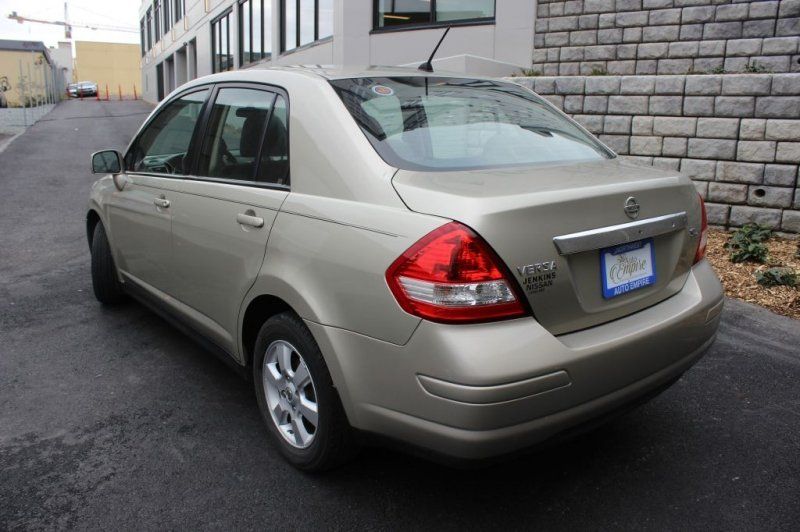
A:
{"x":117,"y":13}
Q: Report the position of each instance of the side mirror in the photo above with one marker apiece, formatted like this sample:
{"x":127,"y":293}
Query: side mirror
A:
{"x":106,"y":162}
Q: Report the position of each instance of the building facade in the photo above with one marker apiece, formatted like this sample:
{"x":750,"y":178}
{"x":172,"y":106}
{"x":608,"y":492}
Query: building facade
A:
{"x":62,"y":57}
{"x":28,"y":74}
{"x":184,"y":39}
{"x":113,"y":66}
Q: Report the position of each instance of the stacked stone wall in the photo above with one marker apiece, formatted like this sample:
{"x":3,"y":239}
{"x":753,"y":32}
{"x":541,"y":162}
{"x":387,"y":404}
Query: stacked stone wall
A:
{"x":736,"y":136}
{"x":625,"y":37}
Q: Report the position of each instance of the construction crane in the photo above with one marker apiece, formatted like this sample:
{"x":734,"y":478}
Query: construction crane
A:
{"x":69,"y":25}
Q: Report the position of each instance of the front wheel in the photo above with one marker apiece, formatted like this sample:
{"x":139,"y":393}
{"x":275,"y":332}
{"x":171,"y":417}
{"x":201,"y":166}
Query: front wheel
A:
{"x":106,"y":285}
{"x":296,"y":396}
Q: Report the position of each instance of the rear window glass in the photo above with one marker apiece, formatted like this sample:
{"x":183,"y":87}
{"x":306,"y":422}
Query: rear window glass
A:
{"x":435,"y":123}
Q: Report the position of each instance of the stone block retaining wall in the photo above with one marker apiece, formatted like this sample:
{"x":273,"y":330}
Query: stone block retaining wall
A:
{"x":736,"y":136}
{"x":628,"y":37}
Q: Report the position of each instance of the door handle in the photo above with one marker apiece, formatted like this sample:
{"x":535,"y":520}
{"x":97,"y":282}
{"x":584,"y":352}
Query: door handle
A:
{"x":161,"y":202}
{"x":249,"y":218}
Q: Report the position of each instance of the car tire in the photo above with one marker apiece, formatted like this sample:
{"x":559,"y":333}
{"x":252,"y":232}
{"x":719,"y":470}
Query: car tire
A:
{"x":105,"y":282}
{"x":331,"y":443}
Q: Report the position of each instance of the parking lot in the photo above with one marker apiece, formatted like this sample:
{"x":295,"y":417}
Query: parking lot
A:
{"x":113,"y":419}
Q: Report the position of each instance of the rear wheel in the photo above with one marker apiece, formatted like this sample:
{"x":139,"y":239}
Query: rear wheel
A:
{"x":106,"y":285}
{"x":296,"y":396}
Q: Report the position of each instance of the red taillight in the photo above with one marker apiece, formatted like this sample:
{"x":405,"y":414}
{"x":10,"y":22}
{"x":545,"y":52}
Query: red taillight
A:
{"x":452,"y":276}
{"x":703,"y":241}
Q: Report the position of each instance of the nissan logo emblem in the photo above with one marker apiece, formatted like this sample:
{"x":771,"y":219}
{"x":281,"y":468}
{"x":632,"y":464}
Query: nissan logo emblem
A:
{"x":631,"y":208}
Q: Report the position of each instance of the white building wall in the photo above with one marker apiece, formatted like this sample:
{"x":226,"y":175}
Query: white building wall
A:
{"x":62,"y":57}
{"x":501,"y":48}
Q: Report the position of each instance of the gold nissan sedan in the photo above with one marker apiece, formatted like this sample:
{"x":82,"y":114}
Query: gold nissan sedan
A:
{"x":442,"y":261}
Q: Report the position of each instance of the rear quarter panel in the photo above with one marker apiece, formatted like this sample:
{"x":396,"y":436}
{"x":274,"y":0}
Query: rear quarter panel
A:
{"x":327,"y":259}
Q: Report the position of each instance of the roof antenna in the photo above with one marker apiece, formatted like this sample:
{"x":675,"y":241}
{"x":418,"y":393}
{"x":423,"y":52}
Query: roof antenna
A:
{"x":427,"y":66}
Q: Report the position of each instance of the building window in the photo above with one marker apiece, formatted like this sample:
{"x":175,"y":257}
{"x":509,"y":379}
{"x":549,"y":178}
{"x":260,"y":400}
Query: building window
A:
{"x":305,"y":21}
{"x":178,"y":9}
{"x":393,"y":13}
{"x":255,"y":37}
{"x":167,"y":18}
{"x":221,"y":56}
{"x":149,"y":24}
{"x":142,"y":36}
{"x":157,"y":20}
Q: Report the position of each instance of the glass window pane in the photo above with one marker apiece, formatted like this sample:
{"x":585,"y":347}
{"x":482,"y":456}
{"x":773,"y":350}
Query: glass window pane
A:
{"x":325,"y":18}
{"x":163,"y":145}
{"x":432,"y":123}
{"x":225,"y":41}
{"x":306,"y":21}
{"x":463,"y":9}
{"x":398,"y":12}
{"x":267,"y":28}
{"x":290,"y":25}
{"x":244,"y":24}
{"x":258,"y":16}
{"x":234,"y":133}
{"x":216,"y":61}
{"x":274,"y":167}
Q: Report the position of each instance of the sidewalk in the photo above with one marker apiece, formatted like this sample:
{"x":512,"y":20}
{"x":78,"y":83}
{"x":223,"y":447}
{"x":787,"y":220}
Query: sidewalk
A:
{"x":14,"y":121}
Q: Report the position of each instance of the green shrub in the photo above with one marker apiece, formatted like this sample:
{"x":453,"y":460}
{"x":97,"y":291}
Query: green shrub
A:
{"x":755,"y":68}
{"x":746,"y":244}
{"x":777,"y":277}
{"x":527,"y":72}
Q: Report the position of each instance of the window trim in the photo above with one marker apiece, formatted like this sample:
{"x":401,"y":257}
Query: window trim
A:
{"x":206,"y":116}
{"x":429,"y":25}
{"x":199,"y":133}
{"x":227,"y":13}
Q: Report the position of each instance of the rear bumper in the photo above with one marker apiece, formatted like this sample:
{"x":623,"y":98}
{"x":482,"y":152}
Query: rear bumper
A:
{"x":476,"y":391}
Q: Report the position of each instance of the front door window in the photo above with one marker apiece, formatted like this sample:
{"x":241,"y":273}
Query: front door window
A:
{"x":164,"y":144}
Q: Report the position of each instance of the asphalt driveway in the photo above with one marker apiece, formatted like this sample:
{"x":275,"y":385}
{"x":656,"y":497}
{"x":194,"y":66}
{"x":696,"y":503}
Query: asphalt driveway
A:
{"x":112,"y":419}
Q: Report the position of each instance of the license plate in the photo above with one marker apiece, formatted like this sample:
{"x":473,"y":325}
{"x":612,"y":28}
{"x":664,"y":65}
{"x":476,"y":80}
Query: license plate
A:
{"x":627,"y":267}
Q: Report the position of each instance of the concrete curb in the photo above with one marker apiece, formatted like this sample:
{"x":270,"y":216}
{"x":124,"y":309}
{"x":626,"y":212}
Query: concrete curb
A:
{"x":6,"y":143}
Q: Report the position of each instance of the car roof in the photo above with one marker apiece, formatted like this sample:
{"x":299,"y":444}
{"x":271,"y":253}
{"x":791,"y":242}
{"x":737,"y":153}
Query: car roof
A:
{"x":263,"y":73}
{"x":377,"y":71}
{"x":331,"y":72}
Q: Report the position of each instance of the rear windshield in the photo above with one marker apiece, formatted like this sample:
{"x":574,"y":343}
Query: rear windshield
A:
{"x":434,"y":123}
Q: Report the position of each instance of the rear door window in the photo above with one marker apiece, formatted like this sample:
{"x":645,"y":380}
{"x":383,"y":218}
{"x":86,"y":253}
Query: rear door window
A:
{"x":274,"y":166}
{"x":235,"y":133}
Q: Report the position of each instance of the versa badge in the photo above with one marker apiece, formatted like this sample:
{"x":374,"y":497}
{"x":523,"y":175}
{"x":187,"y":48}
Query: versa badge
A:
{"x":538,"y":276}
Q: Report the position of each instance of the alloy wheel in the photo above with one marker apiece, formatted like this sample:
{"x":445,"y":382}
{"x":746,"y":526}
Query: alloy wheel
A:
{"x":290,"y":393}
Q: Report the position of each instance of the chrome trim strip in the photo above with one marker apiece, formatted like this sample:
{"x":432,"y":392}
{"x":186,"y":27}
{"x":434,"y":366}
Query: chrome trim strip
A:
{"x":619,"y":234}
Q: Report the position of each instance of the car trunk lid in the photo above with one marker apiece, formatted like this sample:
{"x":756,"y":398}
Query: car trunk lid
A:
{"x":549,"y":223}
